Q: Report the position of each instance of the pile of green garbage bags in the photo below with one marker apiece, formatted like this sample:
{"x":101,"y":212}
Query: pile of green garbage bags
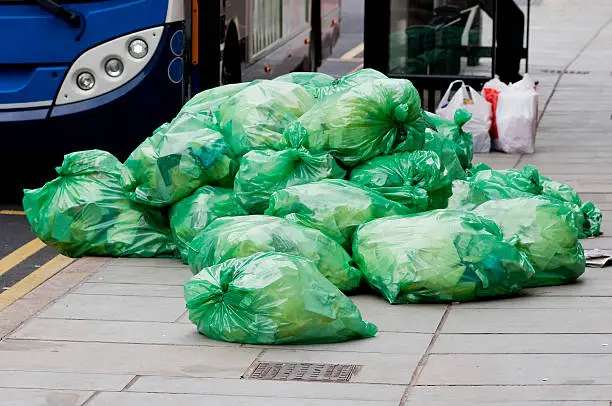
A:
{"x":285,"y":196}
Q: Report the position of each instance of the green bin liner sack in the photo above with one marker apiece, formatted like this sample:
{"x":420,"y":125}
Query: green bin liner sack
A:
{"x":263,"y":172}
{"x":257,"y":116}
{"x":348,"y":81}
{"x":452,"y":131}
{"x":439,"y":256}
{"x":334,"y":206}
{"x":272,"y":298}
{"x":405,"y":177}
{"x":487,"y":184}
{"x":192,"y":214}
{"x":236,"y":237}
{"x":547,"y":234}
{"x":313,"y":82}
{"x":179,"y":158}
{"x":85,"y":211}
{"x":591,"y":226}
{"x":368,"y":120}
{"x":206,"y":104}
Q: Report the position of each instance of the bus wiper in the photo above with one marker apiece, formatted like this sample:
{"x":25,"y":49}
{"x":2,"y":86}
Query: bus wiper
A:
{"x":70,"y":16}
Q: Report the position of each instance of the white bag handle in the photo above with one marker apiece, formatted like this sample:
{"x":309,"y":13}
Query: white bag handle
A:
{"x":445,"y":99}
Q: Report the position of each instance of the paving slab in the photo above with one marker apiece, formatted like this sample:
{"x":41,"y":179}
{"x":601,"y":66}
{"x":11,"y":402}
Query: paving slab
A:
{"x":114,"y":332}
{"x":523,"y":344}
{"x":399,"y":318}
{"x":385,"y":342}
{"x":63,"y":381}
{"x":487,"y":395}
{"x":37,"y":397}
{"x":517,"y":369}
{"x":135,"y":359}
{"x":127,"y":308}
{"x":376,"y":368}
{"x":159,"y":399}
{"x":528,"y":301}
{"x":144,"y":275}
{"x":248,"y":388}
{"x":129,"y":289}
{"x":570,"y":321}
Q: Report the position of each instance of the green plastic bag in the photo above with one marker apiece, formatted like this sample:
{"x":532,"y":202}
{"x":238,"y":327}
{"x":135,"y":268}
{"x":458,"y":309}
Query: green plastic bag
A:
{"x":405,"y":177}
{"x":365,"y":121}
{"x":452,"y":131}
{"x":85,"y":212}
{"x":272,"y":298}
{"x":206,"y":104}
{"x":547,"y":234}
{"x":591,"y":226}
{"x":348,"y":81}
{"x":313,"y":82}
{"x":256,"y":117}
{"x":237,"y":237}
{"x":488,"y":184}
{"x":336,"y":207}
{"x":263,"y":172}
{"x":179,"y":158}
{"x":439,"y":256}
{"x":192,"y":214}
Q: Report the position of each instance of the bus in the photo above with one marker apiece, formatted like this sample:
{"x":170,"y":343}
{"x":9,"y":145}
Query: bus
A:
{"x":84,"y":74}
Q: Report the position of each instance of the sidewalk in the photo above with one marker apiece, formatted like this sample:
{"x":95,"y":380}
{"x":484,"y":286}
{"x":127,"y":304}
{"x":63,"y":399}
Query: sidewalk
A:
{"x":114,"y":332}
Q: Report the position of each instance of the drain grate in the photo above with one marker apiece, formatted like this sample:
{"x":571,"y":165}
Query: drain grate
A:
{"x":566,"y":71}
{"x":287,"y":371}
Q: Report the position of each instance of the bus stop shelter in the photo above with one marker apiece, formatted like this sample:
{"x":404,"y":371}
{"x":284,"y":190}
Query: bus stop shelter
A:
{"x":435,"y":42}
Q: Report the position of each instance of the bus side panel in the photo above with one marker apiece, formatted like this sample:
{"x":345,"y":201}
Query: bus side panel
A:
{"x":330,"y":26}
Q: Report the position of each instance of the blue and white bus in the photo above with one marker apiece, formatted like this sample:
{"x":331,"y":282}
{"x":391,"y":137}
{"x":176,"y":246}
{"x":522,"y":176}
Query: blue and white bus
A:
{"x":82,"y":74}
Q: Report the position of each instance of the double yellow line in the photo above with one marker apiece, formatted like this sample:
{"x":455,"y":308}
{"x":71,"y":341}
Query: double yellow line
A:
{"x":35,"y":278}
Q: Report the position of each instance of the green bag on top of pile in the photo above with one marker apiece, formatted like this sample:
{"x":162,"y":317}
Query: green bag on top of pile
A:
{"x":313,"y":82}
{"x":439,"y":256}
{"x":334,"y":206}
{"x":85,"y":211}
{"x":179,"y":158}
{"x":452,"y":131}
{"x":192,"y":214}
{"x":272,"y":298}
{"x":547,"y":234}
{"x":237,"y":237}
{"x":348,"y":81}
{"x":488,"y":184}
{"x":263,"y":172}
{"x":374,"y":118}
{"x":405,"y":177}
{"x":207,"y":103}
{"x":257,"y":116}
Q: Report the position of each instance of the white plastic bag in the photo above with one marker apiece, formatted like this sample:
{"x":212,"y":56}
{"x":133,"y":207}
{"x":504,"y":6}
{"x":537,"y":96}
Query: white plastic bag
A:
{"x":469,"y":99}
{"x":515,"y":110}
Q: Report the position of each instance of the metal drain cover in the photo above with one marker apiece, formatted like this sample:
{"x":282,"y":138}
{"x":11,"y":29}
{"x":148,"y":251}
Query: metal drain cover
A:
{"x":287,"y":371}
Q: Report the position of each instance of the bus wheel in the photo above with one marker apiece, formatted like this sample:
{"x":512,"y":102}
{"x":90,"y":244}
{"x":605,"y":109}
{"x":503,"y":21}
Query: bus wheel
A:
{"x":232,"y":70}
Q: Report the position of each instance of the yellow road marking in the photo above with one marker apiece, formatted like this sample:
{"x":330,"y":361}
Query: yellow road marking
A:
{"x":33,"y":280}
{"x":13,"y":212}
{"x":351,"y":54}
{"x":20,"y":254}
{"x":356,"y":69}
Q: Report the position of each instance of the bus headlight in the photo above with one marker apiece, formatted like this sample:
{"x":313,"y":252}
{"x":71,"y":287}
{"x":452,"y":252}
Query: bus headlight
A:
{"x":138,"y":49}
{"x":86,"y":81}
{"x":113,"y":67}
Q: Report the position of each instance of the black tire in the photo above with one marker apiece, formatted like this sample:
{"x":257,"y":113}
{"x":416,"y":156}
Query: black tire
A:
{"x":232,"y":66}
